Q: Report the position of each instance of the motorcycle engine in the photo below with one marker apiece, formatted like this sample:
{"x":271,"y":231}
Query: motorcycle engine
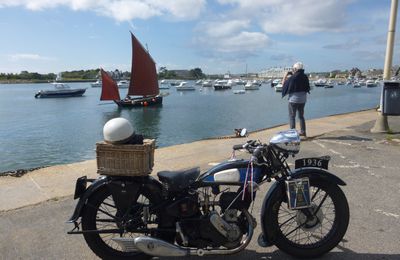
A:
{"x":213,"y":230}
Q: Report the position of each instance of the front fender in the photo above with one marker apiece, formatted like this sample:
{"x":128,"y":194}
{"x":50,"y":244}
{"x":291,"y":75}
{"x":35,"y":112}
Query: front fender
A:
{"x":279,"y":186}
{"x":312,"y":173}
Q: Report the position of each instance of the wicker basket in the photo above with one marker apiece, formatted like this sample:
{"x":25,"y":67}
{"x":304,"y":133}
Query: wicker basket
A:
{"x":125,"y":159}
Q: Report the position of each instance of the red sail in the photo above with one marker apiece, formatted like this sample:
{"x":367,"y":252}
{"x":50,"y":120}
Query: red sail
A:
{"x":143,"y":72}
{"x":109,"y":90}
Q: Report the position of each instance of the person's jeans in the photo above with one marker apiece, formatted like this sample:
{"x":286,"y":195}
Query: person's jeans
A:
{"x":293,"y":108}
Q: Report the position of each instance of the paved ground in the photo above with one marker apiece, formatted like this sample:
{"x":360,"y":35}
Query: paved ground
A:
{"x":369,"y":163}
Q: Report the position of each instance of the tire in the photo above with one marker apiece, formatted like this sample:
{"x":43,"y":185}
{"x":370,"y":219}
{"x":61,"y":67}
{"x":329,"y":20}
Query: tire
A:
{"x":101,"y":244}
{"x":321,"y":236}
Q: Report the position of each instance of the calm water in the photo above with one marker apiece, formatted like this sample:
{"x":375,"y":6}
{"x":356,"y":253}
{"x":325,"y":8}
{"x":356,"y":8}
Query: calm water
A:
{"x":39,"y":132}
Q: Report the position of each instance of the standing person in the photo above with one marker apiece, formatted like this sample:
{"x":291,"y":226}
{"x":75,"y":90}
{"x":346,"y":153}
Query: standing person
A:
{"x":297,"y":87}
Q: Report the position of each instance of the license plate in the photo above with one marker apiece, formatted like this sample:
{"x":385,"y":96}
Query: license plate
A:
{"x":319,"y":162}
{"x":298,"y":193}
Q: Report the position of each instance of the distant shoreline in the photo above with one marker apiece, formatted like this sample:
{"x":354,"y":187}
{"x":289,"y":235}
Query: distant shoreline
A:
{"x":44,"y":81}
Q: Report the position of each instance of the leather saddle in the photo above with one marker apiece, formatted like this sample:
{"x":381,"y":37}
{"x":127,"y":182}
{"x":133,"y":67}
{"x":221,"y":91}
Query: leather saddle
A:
{"x":179,"y":180}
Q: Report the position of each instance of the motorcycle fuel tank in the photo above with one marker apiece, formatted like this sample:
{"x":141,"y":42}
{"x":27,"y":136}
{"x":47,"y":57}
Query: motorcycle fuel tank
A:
{"x":232,"y":172}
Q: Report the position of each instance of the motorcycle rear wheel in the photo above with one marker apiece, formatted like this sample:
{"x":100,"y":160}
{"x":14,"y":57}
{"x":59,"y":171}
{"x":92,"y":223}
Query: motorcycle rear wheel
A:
{"x":300,"y":237}
{"x":97,"y":216}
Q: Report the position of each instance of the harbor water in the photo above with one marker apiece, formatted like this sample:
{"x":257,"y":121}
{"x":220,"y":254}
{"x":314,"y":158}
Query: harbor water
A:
{"x":42,"y":132}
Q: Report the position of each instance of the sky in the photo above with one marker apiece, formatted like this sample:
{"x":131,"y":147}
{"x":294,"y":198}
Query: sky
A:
{"x":217,"y":36}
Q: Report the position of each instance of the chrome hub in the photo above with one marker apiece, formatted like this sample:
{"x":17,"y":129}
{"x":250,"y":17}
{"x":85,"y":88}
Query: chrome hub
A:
{"x":312,"y":224}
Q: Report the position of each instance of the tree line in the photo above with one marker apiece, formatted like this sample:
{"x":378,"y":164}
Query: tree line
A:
{"x":93,"y":74}
{"x":38,"y":77}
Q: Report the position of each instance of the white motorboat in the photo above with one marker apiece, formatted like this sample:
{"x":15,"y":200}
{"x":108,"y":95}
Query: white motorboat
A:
{"x":239,"y":91}
{"x":231,"y":83}
{"x":275,"y":82}
{"x":96,"y":84}
{"x":252,"y":85}
{"x":239,"y":82}
{"x":371,"y":83}
{"x":61,"y":90}
{"x":329,"y":84}
{"x":184,"y":86}
{"x":199,"y":82}
{"x":207,"y":83}
{"x":320,"y":83}
{"x":164,"y":84}
{"x":222,"y":85}
{"x":123,"y":84}
{"x":278,"y":87}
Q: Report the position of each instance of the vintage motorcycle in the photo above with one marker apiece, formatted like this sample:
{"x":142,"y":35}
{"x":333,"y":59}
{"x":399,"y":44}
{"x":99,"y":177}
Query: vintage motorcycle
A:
{"x":185,"y":213}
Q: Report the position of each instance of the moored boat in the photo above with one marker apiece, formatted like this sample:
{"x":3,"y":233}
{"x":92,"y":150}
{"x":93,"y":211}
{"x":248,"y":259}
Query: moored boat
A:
{"x":183,"y":86}
{"x":275,"y":82}
{"x":279,"y":87}
{"x":329,"y":84}
{"x":252,"y":85}
{"x":61,"y":90}
{"x":164,"y":84}
{"x":123,"y":84}
{"x":143,"y":87}
{"x":371,"y":83}
{"x":239,"y":91}
{"x":207,"y":83}
{"x":320,"y":83}
{"x":221,"y":85}
{"x":96,"y":84}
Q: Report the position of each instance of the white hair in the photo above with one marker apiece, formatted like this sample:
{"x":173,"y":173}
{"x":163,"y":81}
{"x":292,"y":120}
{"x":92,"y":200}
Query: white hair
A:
{"x":298,"y":65}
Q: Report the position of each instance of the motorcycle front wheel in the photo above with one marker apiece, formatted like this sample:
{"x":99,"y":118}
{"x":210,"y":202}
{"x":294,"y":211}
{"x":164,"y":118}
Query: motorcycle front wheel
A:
{"x":101,"y":214}
{"x":308,"y":237}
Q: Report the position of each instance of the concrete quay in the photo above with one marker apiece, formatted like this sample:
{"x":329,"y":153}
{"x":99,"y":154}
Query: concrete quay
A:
{"x":34,"y":207}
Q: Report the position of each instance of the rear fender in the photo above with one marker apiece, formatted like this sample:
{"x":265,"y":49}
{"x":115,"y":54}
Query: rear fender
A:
{"x":123,"y":190}
{"x":278,"y":187}
{"x":96,"y":185}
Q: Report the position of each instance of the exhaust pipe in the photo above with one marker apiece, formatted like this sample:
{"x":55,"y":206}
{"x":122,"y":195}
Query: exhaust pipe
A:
{"x":126,"y":244}
{"x":157,"y":247}
{"x":150,"y":246}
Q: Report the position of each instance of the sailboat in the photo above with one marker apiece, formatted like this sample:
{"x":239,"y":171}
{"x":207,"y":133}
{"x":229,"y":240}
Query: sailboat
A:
{"x":143,"y":86}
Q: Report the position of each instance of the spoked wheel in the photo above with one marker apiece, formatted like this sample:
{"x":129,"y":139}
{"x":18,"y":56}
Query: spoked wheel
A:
{"x":314,"y":231}
{"x":101,"y":214}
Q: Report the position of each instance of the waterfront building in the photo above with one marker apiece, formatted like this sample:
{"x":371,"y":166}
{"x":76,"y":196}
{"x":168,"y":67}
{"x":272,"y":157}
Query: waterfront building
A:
{"x":274,"y":72}
{"x":183,"y":74}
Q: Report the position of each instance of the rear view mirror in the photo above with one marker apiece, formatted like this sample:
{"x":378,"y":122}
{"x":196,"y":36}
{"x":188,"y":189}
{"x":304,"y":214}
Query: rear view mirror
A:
{"x":240,"y":132}
{"x":243,"y":133}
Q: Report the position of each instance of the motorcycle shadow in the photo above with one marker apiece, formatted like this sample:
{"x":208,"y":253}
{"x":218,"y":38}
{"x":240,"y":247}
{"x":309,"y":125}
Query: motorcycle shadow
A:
{"x":344,"y":253}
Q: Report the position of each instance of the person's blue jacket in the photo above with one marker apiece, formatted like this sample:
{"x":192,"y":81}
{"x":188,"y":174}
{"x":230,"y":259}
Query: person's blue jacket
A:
{"x":297,"y":83}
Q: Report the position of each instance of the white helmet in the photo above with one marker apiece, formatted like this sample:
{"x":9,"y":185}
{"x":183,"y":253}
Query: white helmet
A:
{"x":298,"y":66}
{"x":118,"y":131}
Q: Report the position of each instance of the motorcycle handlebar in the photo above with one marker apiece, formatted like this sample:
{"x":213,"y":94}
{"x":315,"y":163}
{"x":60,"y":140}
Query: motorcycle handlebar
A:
{"x":249,"y":146}
{"x":237,"y":147}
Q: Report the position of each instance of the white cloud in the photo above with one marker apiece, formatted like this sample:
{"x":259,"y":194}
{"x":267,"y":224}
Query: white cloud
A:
{"x":293,"y":17}
{"x":232,"y":38}
{"x":120,"y":10}
{"x":27,"y":56}
{"x":218,"y":29}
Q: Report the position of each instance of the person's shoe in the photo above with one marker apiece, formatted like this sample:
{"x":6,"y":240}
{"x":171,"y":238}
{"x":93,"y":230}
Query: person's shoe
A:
{"x":303,"y":134}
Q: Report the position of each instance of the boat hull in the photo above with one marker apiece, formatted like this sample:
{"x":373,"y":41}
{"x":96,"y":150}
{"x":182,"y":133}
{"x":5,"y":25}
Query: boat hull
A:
{"x":140,"y":102}
{"x":221,"y":87}
{"x":60,"y":93}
